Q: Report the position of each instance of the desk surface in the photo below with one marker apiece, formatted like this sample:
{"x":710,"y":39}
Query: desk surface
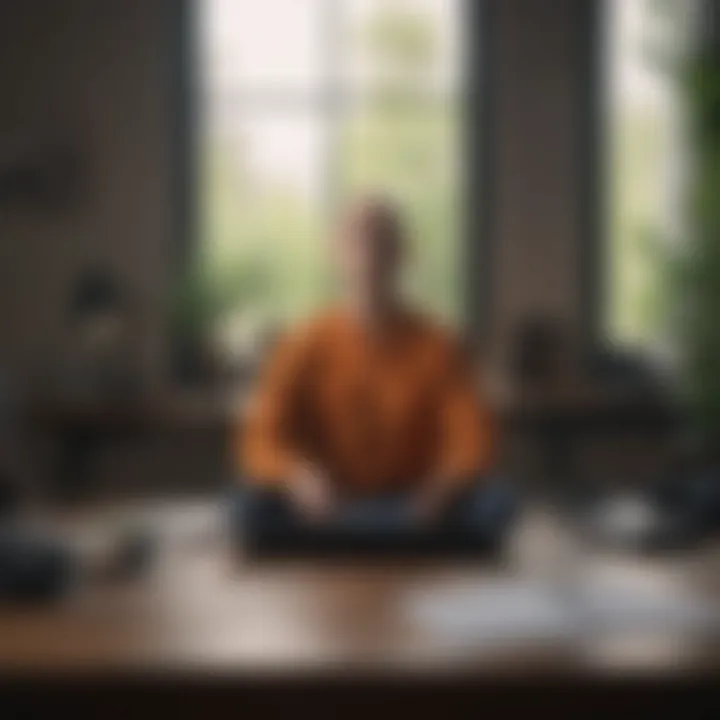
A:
{"x":202,"y":609}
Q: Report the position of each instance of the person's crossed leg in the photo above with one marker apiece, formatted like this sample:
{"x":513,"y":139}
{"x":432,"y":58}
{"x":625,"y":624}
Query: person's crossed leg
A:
{"x":481,"y":512}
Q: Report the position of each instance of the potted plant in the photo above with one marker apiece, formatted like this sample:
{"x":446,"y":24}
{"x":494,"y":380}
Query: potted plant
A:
{"x":691,"y":286}
{"x":203,"y":299}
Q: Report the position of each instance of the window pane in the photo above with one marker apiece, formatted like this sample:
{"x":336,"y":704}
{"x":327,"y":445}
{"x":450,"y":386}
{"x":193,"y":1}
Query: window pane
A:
{"x":262,"y":45}
{"x":412,"y":44}
{"x":645,"y":165}
{"x":264,"y":210}
{"x":412,"y":154}
{"x":278,"y":158}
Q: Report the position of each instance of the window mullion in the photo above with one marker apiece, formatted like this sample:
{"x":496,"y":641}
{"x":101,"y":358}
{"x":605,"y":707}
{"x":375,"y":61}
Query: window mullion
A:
{"x":333,"y":105}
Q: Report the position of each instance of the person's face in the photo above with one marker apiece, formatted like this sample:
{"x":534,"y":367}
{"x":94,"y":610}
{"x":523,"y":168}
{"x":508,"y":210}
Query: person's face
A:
{"x":368,"y":256}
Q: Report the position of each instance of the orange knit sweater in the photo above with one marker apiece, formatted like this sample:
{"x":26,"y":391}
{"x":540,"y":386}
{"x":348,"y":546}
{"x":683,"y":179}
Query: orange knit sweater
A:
{"x":375,"y":412}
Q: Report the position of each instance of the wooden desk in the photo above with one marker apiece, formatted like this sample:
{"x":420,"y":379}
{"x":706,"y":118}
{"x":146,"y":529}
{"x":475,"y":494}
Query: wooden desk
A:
{"x":200,"y":611}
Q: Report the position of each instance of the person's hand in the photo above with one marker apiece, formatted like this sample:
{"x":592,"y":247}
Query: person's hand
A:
{"x":432,"y":500}
{"x":310,"y":492}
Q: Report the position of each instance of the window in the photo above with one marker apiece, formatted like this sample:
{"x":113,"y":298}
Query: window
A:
{"x":645,"y":164}
{"x":308,"y":102}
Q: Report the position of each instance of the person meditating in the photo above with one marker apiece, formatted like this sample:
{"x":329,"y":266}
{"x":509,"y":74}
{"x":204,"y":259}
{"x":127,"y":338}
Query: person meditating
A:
{"x":369,"y":416}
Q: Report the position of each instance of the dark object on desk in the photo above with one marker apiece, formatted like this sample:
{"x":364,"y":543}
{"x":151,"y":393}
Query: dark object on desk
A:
{"x":263,"y":524}
{"x":33,"y":569}
{"x":660,"y":518}
{"x":676,"y":509}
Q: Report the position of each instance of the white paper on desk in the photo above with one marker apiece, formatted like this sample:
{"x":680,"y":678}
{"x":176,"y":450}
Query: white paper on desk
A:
{"x":611,"y":609}
{"x":500,"y":611}
{"x":529,"y":612}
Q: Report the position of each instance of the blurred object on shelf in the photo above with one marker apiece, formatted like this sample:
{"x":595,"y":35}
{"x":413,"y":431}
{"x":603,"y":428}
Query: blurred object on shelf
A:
{"x":97,"y":360}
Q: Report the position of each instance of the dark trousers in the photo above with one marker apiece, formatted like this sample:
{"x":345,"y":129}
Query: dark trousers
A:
{"x":480,"y":514}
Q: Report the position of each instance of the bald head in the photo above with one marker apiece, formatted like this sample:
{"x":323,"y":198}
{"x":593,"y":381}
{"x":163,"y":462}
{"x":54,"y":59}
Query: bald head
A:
{"x":375,"y":221}
{"x":370,"y":248}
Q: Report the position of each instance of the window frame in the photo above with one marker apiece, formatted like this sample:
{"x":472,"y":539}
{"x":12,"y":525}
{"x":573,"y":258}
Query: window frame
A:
{"x":476,"y":138}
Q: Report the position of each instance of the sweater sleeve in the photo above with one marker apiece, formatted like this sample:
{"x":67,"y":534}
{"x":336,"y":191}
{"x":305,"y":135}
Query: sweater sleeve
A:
{"x":266,"y":450}
{"x":469,"y":434}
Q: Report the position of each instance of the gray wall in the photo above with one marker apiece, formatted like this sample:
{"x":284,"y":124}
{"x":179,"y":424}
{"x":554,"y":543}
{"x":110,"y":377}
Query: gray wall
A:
{"x":539,"y":68}
{"x":94,"y":76}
